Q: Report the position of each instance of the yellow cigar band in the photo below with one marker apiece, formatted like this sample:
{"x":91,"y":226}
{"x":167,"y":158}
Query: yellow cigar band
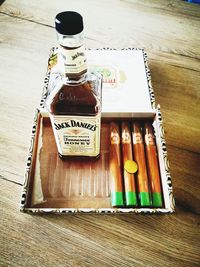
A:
{"x":130,"y":166}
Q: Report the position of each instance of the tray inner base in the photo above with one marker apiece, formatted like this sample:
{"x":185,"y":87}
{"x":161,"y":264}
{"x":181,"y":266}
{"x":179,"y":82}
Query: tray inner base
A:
{"x":72,"y":183}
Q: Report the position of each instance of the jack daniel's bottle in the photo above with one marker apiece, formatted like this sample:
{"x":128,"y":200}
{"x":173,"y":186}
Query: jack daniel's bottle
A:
{"x":75,"y":102}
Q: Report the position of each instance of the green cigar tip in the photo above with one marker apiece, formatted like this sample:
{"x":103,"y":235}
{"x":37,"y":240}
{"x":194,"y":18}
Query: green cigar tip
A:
{"x":131,"y":199}
{"x":117,"y":199}
{"x":157,"y":200}
{"x":145,"y":199}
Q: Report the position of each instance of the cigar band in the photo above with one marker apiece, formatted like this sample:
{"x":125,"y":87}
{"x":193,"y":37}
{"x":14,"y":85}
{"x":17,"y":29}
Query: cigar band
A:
{"x":126,"y":139}
{"x":137,"y":138}
{"x":149,"y":139}
{"x":114,"y":138}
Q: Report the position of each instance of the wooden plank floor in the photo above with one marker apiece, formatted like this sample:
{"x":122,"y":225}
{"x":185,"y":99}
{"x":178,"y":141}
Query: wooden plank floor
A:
{"x":169,"y":31}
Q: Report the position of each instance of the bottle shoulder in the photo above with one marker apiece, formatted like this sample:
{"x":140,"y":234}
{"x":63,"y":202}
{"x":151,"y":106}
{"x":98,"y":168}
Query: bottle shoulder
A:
{"x":76,"y":97}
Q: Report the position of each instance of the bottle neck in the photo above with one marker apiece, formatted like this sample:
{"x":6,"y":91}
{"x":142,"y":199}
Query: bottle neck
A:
{"x":72,"y":50}
{"x":71,"y":41}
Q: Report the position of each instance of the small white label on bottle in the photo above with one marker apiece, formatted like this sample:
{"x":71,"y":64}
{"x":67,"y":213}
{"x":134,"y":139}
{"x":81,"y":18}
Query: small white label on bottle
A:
{"x":77,"y":135}
{"x":74,"y":59}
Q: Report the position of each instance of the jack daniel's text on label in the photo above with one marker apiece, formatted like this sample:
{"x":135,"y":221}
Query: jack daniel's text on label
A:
{"x":73,"y":123}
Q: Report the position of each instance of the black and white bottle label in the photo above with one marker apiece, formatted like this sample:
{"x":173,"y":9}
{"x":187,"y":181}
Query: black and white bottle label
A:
{"x":77,"y":135}
{"x":74,"y":60}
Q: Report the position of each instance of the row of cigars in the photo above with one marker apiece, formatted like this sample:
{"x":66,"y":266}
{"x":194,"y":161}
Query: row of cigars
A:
{"x":134,"y":166}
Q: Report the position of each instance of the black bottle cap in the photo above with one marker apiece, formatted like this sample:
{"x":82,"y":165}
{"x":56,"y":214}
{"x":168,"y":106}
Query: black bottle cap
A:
{"x":69,"y":23}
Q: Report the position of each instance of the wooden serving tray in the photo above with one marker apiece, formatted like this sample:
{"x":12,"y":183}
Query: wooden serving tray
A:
{"x":74,"y":185}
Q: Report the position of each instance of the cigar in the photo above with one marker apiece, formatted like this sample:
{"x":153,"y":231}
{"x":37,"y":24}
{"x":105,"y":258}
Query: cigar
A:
{"x":127,"y":156}
{"x":152,"y":165}
{"x":139,"y":157}
{"x":115,"y":166}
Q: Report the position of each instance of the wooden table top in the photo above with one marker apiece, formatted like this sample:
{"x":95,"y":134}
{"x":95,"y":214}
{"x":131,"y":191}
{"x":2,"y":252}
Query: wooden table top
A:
{"x":169,"y":32}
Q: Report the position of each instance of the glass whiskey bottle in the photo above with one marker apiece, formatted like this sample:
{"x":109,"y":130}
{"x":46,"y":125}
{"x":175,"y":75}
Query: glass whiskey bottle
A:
{"x":74,"y":104}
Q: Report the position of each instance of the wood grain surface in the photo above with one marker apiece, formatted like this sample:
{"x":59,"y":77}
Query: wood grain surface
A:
{"x":169,"y":31}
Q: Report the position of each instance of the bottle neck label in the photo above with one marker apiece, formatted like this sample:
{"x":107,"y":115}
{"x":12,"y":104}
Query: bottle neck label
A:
{"x":75,"y":61}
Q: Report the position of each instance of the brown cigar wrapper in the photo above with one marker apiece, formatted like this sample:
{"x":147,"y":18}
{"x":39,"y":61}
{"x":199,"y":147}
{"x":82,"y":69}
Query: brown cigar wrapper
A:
{"x":139,"y":156}
{"x":127,"y":154}
{"x":152,"y":159}
{"x":115,"y":159}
